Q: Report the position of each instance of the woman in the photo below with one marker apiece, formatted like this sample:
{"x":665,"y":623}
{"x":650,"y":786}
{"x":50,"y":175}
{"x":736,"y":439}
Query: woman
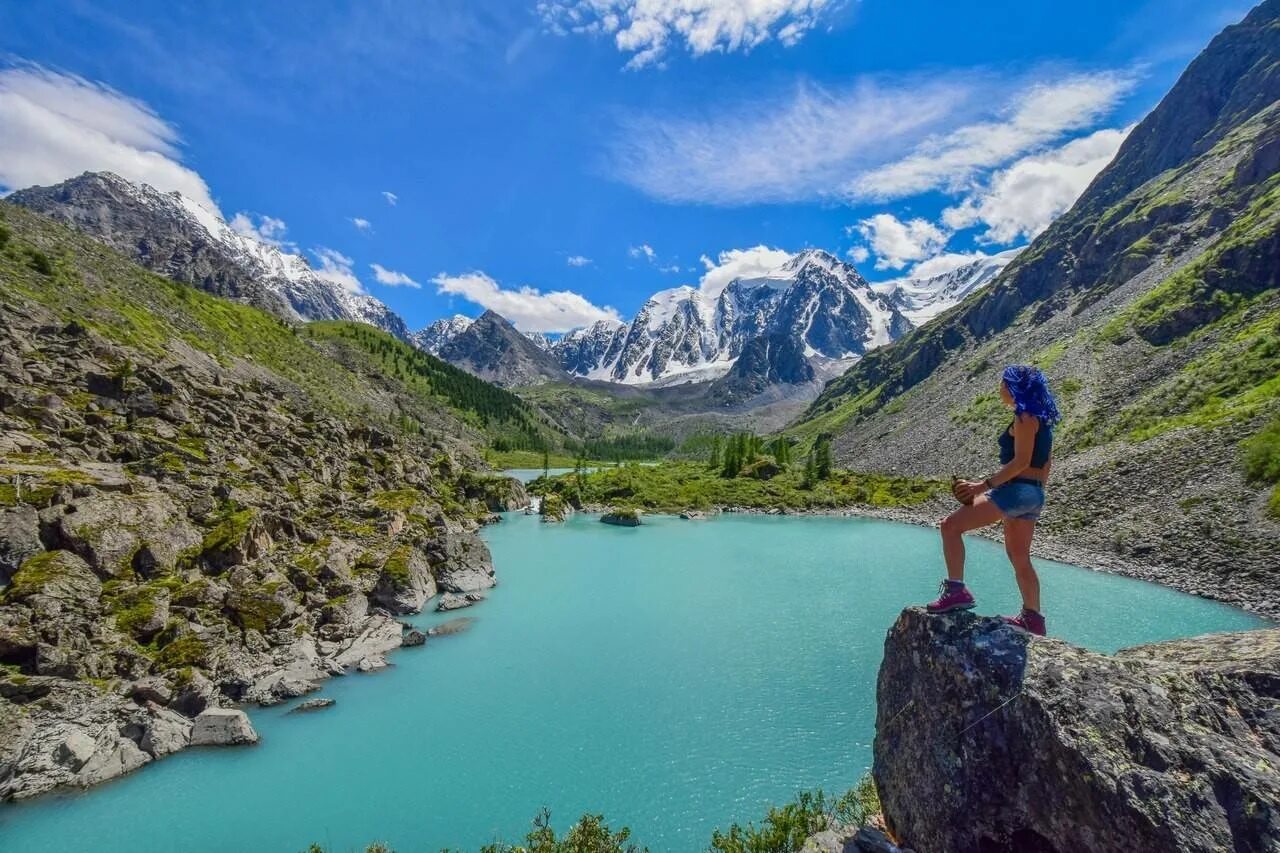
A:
{"x":1014,"y":495}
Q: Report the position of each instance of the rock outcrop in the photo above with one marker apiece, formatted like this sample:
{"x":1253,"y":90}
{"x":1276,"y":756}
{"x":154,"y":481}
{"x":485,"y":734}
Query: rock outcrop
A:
{"x":192,"y":519}
{"x":988,"y":739}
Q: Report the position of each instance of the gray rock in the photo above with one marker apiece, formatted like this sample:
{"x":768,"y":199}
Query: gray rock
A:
{"x":116,"y":532}
{"x":166,"y":732}
{"x":152,"y":689}
{"x":77,"y":749}
{"x":453,"y":626}
{"x":622,"y":518}
{"x":1165,"y":747}
{"x":405,"y":582}
{"x":461,"y":563}
{"x":19,"y":538}
{"x":413,"y":637}
{"x":222,"y":727}
{"x":313,"y":705}
{"x":457,"y":601}
{"x":113,"y":758}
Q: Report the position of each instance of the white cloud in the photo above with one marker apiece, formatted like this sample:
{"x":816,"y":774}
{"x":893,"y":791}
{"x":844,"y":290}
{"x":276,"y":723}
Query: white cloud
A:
{"x":738,"y":263}
{"x":578,"y":261}
{"x":259,"y":226}
{"x":646,"y":28}
{"x":528,"y":309}
{"x":814,"y":143}
{"x":644,"y":250}
{"x":337,"y":268}
{"x":858,"y":254}
{"x":802,"y":145}
{"x":55,"y":126}
{"x":362,"y":224}
{"x":391,"y":278}
{"x":896,"y":243}
{"x":673,"y":268}
{"x":391,"y":197}
{"x":1038,"y":116}
{"x":1021,"y":200}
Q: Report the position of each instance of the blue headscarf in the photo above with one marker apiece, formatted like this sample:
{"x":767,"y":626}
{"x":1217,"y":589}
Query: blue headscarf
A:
{"x":1031,"y":393}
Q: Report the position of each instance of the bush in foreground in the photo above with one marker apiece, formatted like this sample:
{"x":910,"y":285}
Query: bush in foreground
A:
{"x":783,"y":830}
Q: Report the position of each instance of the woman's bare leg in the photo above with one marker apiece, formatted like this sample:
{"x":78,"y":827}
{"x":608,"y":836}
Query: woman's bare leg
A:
{"x":1017,"y":544}
{"x":980,"y":513}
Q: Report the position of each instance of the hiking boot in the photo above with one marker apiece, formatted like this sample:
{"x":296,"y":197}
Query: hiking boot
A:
{"x":952,"y":595}
{"x":1029,"y":621}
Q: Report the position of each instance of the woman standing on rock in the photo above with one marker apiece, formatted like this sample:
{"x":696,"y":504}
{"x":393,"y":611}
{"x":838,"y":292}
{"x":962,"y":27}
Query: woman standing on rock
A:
{"x":1014,"y":495}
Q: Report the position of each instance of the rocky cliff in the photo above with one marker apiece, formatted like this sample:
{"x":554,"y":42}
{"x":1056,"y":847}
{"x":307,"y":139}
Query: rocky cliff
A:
{"x":1153,"y":305}
{"x":201,"y":505}
{"x":989,"y":740}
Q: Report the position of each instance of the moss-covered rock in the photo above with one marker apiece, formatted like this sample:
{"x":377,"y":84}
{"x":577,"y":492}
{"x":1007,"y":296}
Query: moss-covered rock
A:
{"x":59,"y":576}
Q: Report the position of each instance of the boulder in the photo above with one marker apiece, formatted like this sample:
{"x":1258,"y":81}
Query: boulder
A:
{"x":114,"y":757}
{"x":222,"y":727}
{"x":166,"y":732}
{"x":622,"y":518}
{"x":19,"y":538}
{"x":76,"y":750}
{"x":458,"y":600}
{"x":56,"y":580}
{"x":988,"y":739}
{"x":413,"y":637}
{"x":461,"y":563}
{"x":405,"y":582}
{"x":313,"y":705}
{"x":118,"y":533}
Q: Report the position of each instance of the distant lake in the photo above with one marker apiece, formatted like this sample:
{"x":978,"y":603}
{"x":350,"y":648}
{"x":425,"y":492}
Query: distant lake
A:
{"x":676,"y":677}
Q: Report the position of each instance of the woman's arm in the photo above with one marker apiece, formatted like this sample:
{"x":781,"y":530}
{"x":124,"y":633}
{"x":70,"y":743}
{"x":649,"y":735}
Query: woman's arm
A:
{"x":1024,"y":441}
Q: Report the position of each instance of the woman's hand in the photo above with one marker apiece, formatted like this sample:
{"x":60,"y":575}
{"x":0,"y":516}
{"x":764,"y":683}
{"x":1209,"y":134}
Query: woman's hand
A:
{"x":966,"y":490}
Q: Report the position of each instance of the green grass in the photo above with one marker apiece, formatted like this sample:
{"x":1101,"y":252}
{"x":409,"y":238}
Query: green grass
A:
{"x":1262,"y":462}
{"x":676,"y":486}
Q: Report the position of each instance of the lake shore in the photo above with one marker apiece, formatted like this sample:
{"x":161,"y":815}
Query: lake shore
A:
{"x":1047,"y":545}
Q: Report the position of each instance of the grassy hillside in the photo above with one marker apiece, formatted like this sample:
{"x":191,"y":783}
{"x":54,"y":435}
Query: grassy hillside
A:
{"x":1154,"y":307}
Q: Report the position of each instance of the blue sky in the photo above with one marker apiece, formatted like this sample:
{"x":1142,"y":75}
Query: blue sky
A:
{"x":590,"y":150}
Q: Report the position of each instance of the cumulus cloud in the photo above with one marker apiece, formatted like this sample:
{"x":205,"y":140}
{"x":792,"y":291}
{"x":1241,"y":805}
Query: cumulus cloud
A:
{"x":738,"y":263}
{"x":858,"y":254}
{"x":360,"y":224}
{"x":896,"y":243}
{"x":578,"y":261}
{"x":390,"y":197}
{"x":259,"y":226}
{"x":647,"y":28}
{"x":528,"y":309}
{"x":337,"y":268}
{"x":54,"y":126}
{"x":1038,"y":116}
{"x":391,"y":278}
{"x":644,"y":250}
{"x":1021,"y":200}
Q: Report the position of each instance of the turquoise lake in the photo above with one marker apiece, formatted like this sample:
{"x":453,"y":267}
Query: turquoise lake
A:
{"x":675,"y":677}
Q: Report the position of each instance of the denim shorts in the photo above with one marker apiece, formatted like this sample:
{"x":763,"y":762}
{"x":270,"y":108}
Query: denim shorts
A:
{"x":1019,"y":499}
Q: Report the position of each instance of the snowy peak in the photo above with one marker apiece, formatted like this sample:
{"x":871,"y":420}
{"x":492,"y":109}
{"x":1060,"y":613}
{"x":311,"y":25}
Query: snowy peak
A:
{"x":921,"y":298}
{"x":177,"y":237}
{"x":433,"y":338}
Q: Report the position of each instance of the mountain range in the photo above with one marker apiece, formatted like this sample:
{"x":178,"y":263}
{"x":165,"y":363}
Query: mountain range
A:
{"x":795,"y":326}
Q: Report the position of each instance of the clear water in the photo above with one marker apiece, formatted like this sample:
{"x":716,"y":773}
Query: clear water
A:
{"x":676,"y":677}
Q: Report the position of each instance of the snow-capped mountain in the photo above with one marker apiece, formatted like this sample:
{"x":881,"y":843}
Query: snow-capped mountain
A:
{"x":435,"y":336}
{"x":921,"y":299}
{"x":178,"y":238}
{"x":814,"y":311}
{"x":686,"y":334}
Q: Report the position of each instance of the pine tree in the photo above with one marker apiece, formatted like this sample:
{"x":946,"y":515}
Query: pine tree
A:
{"x":810,"y":471}
{"x":714,"y":462}
{"x":822,"y":449}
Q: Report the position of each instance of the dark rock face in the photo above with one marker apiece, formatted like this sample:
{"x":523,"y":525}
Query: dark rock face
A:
{"x":493,"y":349}
{"x":989,"y":740}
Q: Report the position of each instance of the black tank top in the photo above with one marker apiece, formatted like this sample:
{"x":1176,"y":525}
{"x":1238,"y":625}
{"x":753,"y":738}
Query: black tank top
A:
{"x":1039,"y":454}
